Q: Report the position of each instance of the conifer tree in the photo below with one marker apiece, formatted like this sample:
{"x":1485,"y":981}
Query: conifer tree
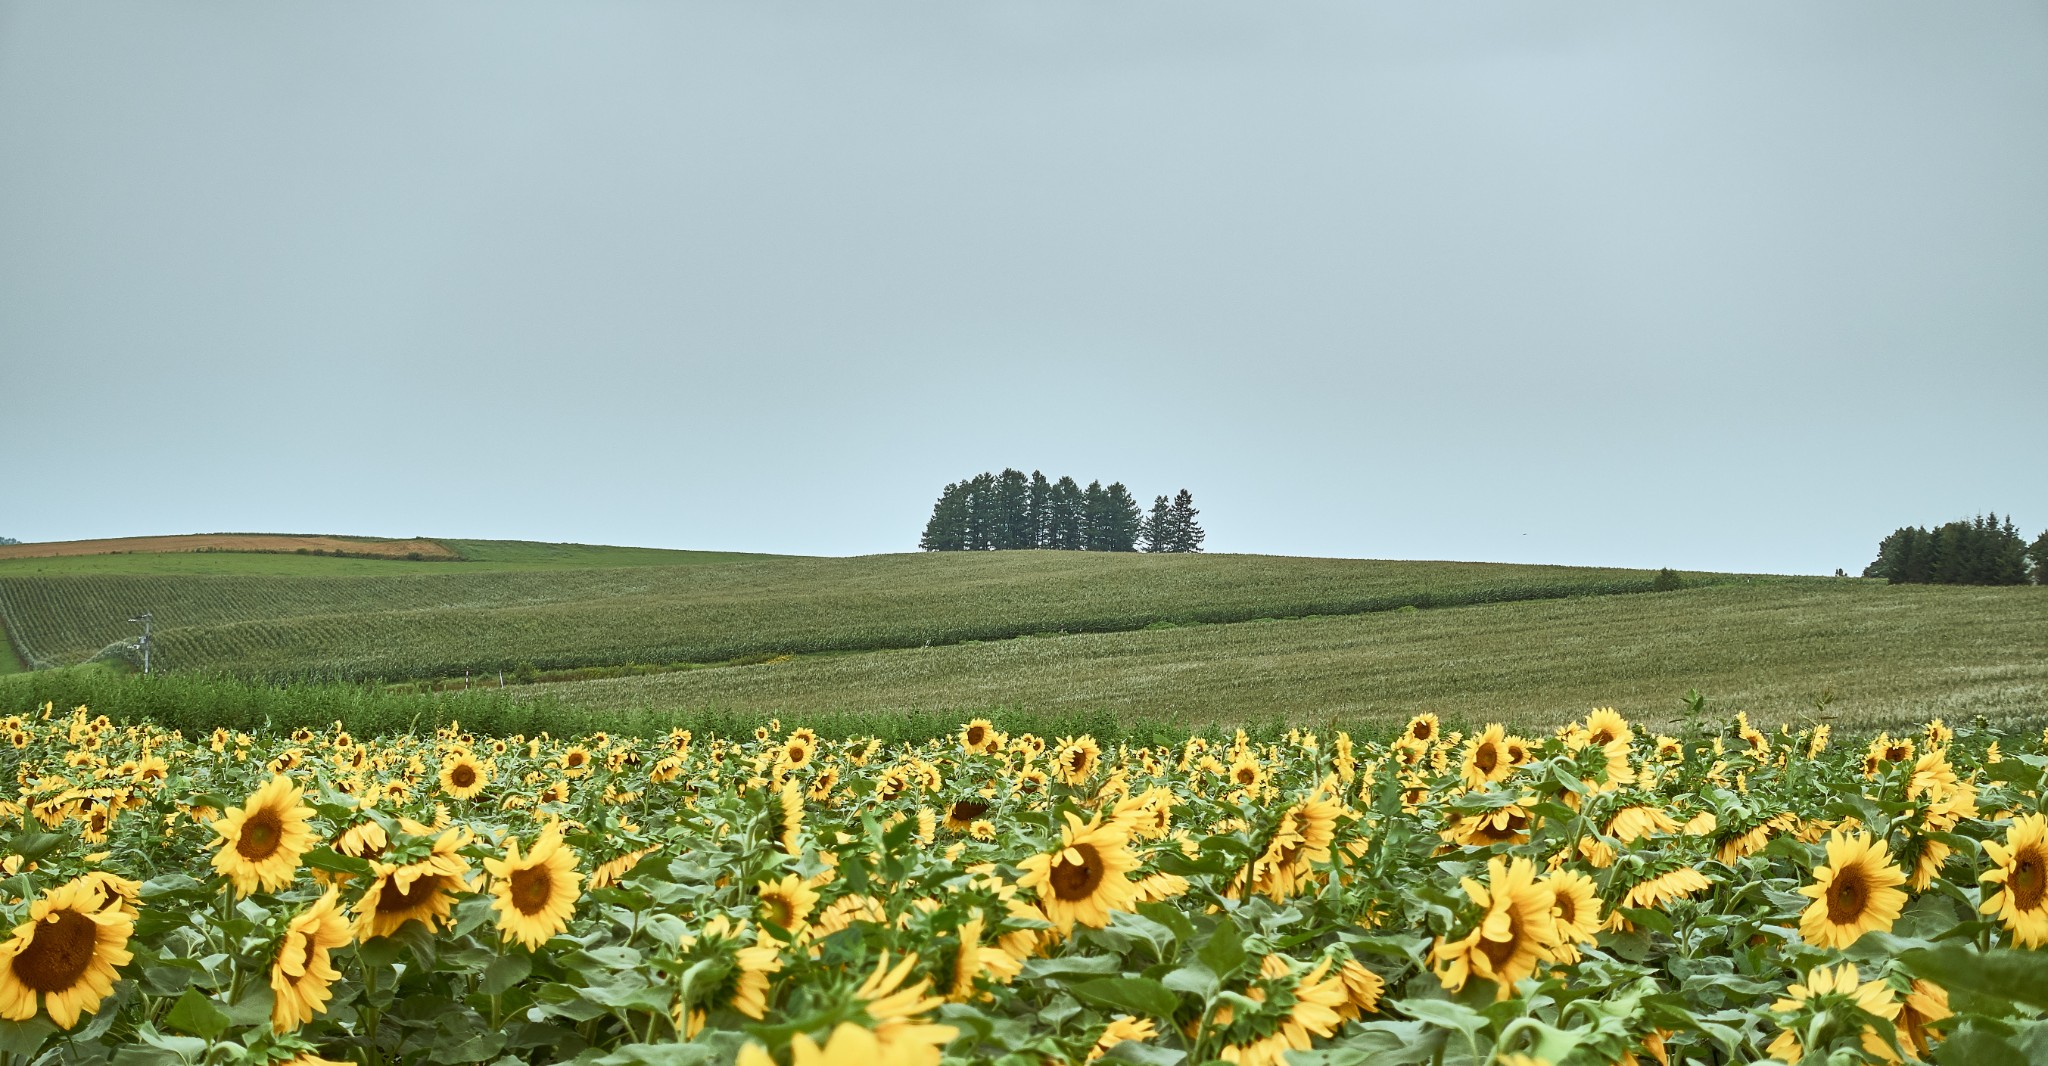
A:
{"x":1157,"y":527}
{"x":1121,"y":519}
{"x":2037,"y":555}
{"x":1040,"y":511}
{"x":947,"y":529}
{"x":1012,"y":511}
{"x":1979,"y":551}
{"x":1187,"y":534}
{"x":982,"y":520}
{"x":1095,"y":508}
{"x":1069,"y":520}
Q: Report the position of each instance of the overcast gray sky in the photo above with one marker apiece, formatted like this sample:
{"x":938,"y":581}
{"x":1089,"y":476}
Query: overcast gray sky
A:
{"x":1718,"y":286}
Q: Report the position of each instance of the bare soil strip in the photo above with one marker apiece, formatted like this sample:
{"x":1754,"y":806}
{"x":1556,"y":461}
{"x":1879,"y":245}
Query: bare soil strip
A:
{"x":232,"y":542}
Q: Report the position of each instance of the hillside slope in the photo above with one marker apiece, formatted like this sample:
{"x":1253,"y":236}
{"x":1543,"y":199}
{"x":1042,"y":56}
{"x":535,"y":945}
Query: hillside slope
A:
{"x":425,"y":620}
{"x":1885,"y":654}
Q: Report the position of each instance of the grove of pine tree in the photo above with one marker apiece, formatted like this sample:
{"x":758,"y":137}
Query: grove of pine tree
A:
{"x":1979,"y":551}
{"x":1007,"y":511}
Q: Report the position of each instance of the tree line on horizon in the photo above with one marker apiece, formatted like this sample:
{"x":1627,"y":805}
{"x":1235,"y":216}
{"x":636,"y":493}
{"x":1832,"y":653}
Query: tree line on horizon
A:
{"x":1984,"y":550}
{"x":1011,"y":511}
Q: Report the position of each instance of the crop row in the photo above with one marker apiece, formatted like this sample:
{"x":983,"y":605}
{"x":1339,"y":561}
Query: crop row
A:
{"x":441,"y":624}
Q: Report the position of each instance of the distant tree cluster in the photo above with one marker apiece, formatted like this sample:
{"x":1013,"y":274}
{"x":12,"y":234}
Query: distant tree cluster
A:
{"x":1980,"y":551}
{"x":8,"y":540}
{"x":1010,"y":511}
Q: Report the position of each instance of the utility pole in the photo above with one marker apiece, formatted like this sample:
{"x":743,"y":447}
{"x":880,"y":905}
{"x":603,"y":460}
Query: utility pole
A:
{"x":143,"y":644}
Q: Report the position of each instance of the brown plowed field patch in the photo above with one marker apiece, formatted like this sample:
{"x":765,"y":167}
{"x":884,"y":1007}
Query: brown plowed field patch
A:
{"x":229,"y":542}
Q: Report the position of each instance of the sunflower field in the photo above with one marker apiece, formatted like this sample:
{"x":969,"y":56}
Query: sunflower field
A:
{"x":1597,"y":895}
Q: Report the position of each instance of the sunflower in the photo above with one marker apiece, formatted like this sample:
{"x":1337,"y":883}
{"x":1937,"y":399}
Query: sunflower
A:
{"x":576,"y":761}
{"x":1245,"y":772}
{"x":1077,"y":758}
{"x":1362,"y":989}
{"x":1856,"y":892}
{"x":1486,"y":757}
{"x":974,"y":960}
{"x":1925,"y":1002}
{"x":112,"y":891}
{"x":462,"y":776}
{"x":1301,"y":839}
{"x":1422,"y":728}
{"x":413,"y":891}
{"x":535,"y":894}
{"x":1121,"y":1028}
{"x":750,"y":987}
{"x":1087,"y":877}
{"x":1630,"y":824}
{"x":787,"y":812}
{"x":1575,"y":910}
{"x":1515,"y":931}
{"x":302,"y":977}
{"x":1822,"y":990}
{"x":961,"y":814}
{"x":902,"y":1033}
{"x":796,"y":752}
{"x":66,"y":953}
{"x":260,"y":843}
{"x":979,"y":736}
{"x":1653,"y":892}
{"x":1604,"y":727}
{"x":608,"y":873}
{"x":2021,"y":897}
{"x":788,"y":904}
{"x":1294,"y":1009}
{"x":848,"y":1045}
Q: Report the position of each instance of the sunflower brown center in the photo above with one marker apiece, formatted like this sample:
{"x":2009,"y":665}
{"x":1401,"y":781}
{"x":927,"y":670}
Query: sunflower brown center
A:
{"x":463,"y":776}
{"x":2029,"y":878}
{"x":59,"y":953}
{"x":262,"y":835}
{"x":968,"y":810}
{"x":1567,"y":909}
{"x":1071,"y":882}
{"x":1847,"y":894}
{"x":1500,"y":951}
{"x":1246,"y":775}
{"x":394,"y":900}
{"x":975,"y":735}
{"x":531,"y":888}
{"x":1602,"y":737}
{"x":1486,"y":758}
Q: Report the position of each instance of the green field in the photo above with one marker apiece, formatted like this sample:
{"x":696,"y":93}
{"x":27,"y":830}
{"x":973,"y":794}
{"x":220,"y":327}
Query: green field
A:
{"x":1887,"y":654}
{"x":531,"y":604}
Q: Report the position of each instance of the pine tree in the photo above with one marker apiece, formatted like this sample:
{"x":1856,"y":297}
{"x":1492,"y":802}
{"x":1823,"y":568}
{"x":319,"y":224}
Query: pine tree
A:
{"x":1976,"y":551}
{"x":947,"y":529}
{"x":1122,"y":519}
{"x":1069,"y":522}
{"x":1012,"y":511}
{"x":1095,"y":507}
{"x":1040,"y":511}
{"x":982,"y":520}
{"x":1157,"y":527}
{"x":1187,"y":535}
{"x":2038,"y":556}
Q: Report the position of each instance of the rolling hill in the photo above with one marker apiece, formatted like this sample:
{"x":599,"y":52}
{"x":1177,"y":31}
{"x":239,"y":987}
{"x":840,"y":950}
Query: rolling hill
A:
{"x":284,"y":616}
{"x":1199,"y":638}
